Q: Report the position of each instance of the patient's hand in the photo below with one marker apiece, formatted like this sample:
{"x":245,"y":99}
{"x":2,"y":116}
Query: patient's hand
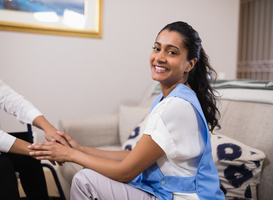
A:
{"x":49,"y":129}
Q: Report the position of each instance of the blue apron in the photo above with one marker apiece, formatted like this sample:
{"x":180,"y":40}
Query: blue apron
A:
{"x":206,"y":181}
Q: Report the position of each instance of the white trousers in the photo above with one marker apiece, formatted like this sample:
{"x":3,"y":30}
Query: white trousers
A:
{"x":88,"y":184}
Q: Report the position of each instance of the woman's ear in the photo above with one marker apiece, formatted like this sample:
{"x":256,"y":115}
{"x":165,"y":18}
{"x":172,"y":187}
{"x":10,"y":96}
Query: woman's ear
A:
{"x":191,"y":64}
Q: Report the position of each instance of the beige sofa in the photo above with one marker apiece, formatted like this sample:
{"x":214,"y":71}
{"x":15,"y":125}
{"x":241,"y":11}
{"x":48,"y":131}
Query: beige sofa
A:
{"x":247,"y":116}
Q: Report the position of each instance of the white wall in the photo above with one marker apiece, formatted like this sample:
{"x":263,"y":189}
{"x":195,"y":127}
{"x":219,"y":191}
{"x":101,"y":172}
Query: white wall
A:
{"x":70,"y":76}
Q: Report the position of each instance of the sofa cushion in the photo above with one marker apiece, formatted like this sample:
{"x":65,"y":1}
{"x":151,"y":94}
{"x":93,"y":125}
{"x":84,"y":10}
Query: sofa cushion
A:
{"x":129,"y":118}
{"x":135,"y":135}
{"x":239,"y":167}
{"x":251,"y":124}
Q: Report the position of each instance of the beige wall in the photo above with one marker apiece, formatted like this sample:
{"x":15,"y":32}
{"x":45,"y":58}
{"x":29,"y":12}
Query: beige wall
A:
{"x":70,"y":77}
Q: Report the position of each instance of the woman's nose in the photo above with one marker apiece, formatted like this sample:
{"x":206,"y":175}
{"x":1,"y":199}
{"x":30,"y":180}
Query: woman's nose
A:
{"x":160,"y":57}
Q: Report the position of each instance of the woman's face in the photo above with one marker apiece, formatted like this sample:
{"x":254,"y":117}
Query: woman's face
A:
{"x":168,"y":59}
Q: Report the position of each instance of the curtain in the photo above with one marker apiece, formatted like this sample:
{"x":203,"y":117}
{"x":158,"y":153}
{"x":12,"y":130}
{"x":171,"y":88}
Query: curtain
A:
{"x":255,"y":51}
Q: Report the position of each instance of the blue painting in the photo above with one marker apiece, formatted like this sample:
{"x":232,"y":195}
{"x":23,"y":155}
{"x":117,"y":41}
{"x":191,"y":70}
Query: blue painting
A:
{"x":57,"y":6}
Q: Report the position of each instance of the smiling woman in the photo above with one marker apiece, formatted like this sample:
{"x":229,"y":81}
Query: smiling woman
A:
{"x":169,"y":61}
{"x":172,"y":160}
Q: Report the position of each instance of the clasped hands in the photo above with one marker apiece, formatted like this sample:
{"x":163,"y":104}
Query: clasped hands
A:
{"x":54,"y":150}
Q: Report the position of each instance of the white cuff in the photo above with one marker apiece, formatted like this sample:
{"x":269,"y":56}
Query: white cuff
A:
{"x":31,"y":115}
{"x":6,"y":141}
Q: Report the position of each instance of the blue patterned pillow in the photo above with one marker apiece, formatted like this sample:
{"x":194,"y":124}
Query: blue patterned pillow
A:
{"x":135,"y":136}
{"x":239,"y":167}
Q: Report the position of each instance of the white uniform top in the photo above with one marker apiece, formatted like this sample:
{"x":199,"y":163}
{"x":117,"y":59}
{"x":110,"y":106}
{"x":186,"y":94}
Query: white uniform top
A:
{"x":14,"y":104}
{"x":174,"y":125}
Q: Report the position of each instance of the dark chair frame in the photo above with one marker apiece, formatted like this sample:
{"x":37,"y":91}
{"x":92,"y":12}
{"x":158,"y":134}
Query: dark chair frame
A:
{"x":54,"y":174}
{"x":53,"y":171}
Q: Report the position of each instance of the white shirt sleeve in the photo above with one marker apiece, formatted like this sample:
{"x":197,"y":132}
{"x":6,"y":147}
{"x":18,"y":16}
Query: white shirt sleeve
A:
{"x":15,"y":104}
{"x":175,"y":126}
{"x":6,"y":141}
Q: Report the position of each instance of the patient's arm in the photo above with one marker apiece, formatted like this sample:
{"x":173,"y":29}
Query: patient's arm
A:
{"x":19,"y":147}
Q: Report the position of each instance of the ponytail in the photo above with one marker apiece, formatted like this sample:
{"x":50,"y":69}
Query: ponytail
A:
{"x":200,"y":78}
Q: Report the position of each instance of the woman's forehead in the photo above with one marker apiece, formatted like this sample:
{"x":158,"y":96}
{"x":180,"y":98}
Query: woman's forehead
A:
{"x":167,"y":37}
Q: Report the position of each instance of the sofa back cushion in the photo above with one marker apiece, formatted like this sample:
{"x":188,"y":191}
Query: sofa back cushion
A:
{"x":246,"y":107}
{"x":252,"y":124}
{"x":129,"y":118}
{"x":135,"y":135}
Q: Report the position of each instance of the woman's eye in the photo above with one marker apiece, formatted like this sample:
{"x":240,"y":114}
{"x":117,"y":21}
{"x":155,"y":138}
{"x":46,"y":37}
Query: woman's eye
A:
{"x":156,"y":49}
{"x":172,"y":52}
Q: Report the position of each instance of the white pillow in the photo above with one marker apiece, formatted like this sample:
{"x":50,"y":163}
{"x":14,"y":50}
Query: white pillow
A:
{"x":129,"y":118}
{"x":239,"y":167}
{"x":135,"y":135}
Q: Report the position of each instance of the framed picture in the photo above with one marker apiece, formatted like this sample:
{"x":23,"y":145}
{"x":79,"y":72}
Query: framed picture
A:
{"x":79,"y":18}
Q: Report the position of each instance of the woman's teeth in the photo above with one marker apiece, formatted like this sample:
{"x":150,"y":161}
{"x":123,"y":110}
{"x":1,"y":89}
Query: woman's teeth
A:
{"x":160,"y":68}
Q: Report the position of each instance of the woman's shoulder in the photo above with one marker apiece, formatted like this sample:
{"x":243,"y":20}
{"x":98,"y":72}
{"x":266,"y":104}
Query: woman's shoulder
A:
{"x":177,"y":103}
{"x":174,"y":106}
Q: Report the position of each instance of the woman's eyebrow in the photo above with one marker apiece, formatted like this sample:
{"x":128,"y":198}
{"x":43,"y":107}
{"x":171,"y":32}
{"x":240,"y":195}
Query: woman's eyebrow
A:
{"x":169,"y":45}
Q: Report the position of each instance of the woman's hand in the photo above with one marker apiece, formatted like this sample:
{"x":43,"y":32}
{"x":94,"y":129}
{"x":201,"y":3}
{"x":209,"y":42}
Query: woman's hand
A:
{"x":72,"y":143}
{"x":51,"y":134}
{"x":52,"y":151}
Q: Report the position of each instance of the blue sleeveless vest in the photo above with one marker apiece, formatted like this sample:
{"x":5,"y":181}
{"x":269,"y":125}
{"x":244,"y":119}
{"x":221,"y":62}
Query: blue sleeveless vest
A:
{"x":206,"y":181}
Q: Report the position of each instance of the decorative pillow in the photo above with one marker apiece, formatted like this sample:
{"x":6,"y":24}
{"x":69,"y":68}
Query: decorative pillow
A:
{"x":135,"y":136}
{"x":239,"y":167}
{"x":129,"y":117}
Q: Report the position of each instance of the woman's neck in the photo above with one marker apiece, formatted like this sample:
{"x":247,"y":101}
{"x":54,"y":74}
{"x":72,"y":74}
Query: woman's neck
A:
{"x":166,"y":90}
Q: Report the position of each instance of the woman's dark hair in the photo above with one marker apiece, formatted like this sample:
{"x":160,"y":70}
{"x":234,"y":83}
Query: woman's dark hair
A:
{"x":202,"y":74}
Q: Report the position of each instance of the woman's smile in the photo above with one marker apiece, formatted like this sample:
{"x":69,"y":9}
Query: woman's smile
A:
{"x":160,"y":69}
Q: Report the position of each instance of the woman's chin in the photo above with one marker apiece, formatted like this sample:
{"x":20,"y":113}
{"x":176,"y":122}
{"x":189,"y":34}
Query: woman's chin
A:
{"x":157,"y":77}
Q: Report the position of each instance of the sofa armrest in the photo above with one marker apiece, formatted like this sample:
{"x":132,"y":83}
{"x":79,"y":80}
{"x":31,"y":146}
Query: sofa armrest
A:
{"x":92,"y":131}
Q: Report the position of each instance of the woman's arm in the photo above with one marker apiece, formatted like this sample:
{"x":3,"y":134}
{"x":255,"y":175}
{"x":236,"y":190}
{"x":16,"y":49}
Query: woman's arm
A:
{"x":140,"y":158}
{"x":110,"y":155}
